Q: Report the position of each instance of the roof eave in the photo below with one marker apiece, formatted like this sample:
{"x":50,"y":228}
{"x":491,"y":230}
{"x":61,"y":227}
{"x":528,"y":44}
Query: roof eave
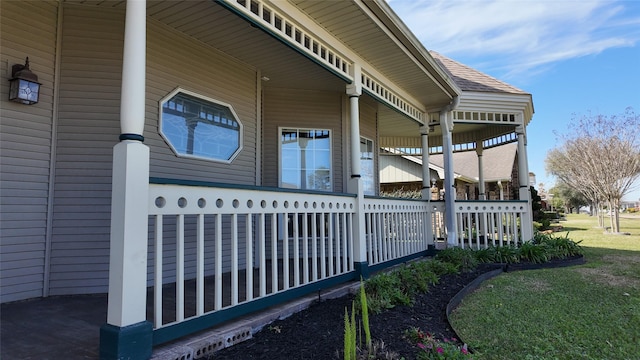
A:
{"x":393,"y":22}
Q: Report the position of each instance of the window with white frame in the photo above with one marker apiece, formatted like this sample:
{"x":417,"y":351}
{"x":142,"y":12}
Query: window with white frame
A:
{"x":305,"y":159}
{"x":367,"y":166}
{"x":198,"y":127}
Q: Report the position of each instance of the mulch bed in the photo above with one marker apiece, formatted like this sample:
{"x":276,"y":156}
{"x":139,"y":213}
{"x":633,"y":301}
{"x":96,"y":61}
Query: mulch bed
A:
{"x":317,"y":332}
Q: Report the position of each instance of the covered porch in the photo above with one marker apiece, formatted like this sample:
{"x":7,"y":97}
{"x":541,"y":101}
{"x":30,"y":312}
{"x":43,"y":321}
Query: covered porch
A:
{"x":185,"y":243}
{"x":220,"y":308}
{"x":218,"y":252}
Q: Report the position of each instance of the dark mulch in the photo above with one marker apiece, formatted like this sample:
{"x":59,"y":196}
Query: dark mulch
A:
{"x":317,"y":332}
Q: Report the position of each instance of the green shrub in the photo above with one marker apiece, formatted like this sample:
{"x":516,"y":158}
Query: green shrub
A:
{"x":439,"y":267}
{"x":537,"y":226}
{"x":506,"y":254}
{"x":486,"y":255}
{"x":416,"y":278}
{"x":385,"y":291}
{"x":463,"y":259}
{"x":535,"y":253}
{"x":539,"y":238}
{"x":546,"y":224}
{"x":399,"y":286}
{"x":561,"y":247}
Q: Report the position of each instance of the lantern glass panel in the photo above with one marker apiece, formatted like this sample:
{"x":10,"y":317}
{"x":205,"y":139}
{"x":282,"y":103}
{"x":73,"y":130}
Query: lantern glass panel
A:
{"x":24,"y":91}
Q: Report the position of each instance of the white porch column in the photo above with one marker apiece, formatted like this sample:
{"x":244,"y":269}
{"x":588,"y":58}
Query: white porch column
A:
{"x":482,"y":194}
{"x":446,"y":121}
{"x":523,"y":179}
{"x":481,"y":186}
{"x":354,"y":185}
{"x":426,"y":173}
{"x":127,"y":334}
{"x":426,"y":183}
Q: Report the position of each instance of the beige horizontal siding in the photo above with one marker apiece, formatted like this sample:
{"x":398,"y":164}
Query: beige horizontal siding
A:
{"x":301,"y":109}
{"x":26,"y":29}
{"x":209,"y":74}
{"x":88,"y":128}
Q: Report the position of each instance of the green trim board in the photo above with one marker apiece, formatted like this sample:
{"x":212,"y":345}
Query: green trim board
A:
{"x":167,"y":181}
{"x":172,"y":332}
{"x":128,"y":342}
{"x":503,"y":202}
{"x":362,"y":269}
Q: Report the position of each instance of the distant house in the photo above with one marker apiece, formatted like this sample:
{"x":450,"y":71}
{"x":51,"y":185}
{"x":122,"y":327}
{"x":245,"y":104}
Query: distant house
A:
{"x":500,"y":177}
{"x":210,"y":159}
{"x":626,"y":205}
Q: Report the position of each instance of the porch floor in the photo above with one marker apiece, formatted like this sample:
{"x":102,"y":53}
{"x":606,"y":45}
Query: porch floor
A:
{"x":68,"y":327}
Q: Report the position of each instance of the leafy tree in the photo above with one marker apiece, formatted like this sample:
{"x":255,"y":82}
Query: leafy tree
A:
{"x":567,"y":197}
{"x":600,"y":158}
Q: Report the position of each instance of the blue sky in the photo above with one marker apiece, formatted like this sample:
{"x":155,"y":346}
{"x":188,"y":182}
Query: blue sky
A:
{"x":573,"y":56}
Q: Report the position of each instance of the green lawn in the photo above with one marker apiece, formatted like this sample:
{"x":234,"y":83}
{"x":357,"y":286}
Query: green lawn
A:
{"x":590,"y":311}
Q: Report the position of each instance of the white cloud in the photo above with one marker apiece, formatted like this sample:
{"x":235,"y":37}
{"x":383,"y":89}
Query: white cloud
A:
{"x":521,"y":35}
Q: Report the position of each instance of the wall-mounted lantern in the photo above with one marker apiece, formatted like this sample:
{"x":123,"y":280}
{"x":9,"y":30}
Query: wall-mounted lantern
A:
{"x":23,"y":85}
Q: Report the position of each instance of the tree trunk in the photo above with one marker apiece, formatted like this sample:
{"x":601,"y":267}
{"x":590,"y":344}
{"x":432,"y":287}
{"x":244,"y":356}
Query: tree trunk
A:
{"x":600,"y":215}
{"x":616,"y":215}
{"x":610,"y":216}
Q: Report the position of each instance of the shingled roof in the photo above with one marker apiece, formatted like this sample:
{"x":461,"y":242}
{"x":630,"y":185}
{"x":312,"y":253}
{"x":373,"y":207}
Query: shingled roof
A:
{"x":469,"y":79}
{"x":498,"y":162}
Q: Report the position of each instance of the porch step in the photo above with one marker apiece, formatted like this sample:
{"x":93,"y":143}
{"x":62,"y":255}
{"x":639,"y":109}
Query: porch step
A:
{"x":203,"y":344}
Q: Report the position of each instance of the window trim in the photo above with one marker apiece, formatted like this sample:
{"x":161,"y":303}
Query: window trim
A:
{"x":280,"y":128}
{"x":373,"y":161}
{"x":179,"y":90}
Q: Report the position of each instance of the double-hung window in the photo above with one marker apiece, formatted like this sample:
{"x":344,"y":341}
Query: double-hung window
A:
{"x":366,"y":166}
{"x":305,"y":159}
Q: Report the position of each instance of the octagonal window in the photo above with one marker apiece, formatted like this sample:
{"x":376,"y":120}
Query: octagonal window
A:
{"x":198,"y":127}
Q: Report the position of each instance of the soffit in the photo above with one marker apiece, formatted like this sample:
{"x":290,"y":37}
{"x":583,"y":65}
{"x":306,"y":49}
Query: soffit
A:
{"x":398,"y":132}
{"x":372,"y":35}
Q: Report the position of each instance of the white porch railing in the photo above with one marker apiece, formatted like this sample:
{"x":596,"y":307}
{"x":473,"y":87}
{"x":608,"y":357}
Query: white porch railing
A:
{"x":224,"y":246}
{"x":217,"y":249}
{"x":396,"y":228}
{"x":480,"y":224}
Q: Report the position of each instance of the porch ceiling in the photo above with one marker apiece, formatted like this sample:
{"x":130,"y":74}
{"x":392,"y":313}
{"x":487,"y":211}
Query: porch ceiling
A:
{"x":398,"y":132}
{"x":374,"y":36}
{"x":214,"y":25}
{"x":373,"y":31}
{"x":367,"y":27}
